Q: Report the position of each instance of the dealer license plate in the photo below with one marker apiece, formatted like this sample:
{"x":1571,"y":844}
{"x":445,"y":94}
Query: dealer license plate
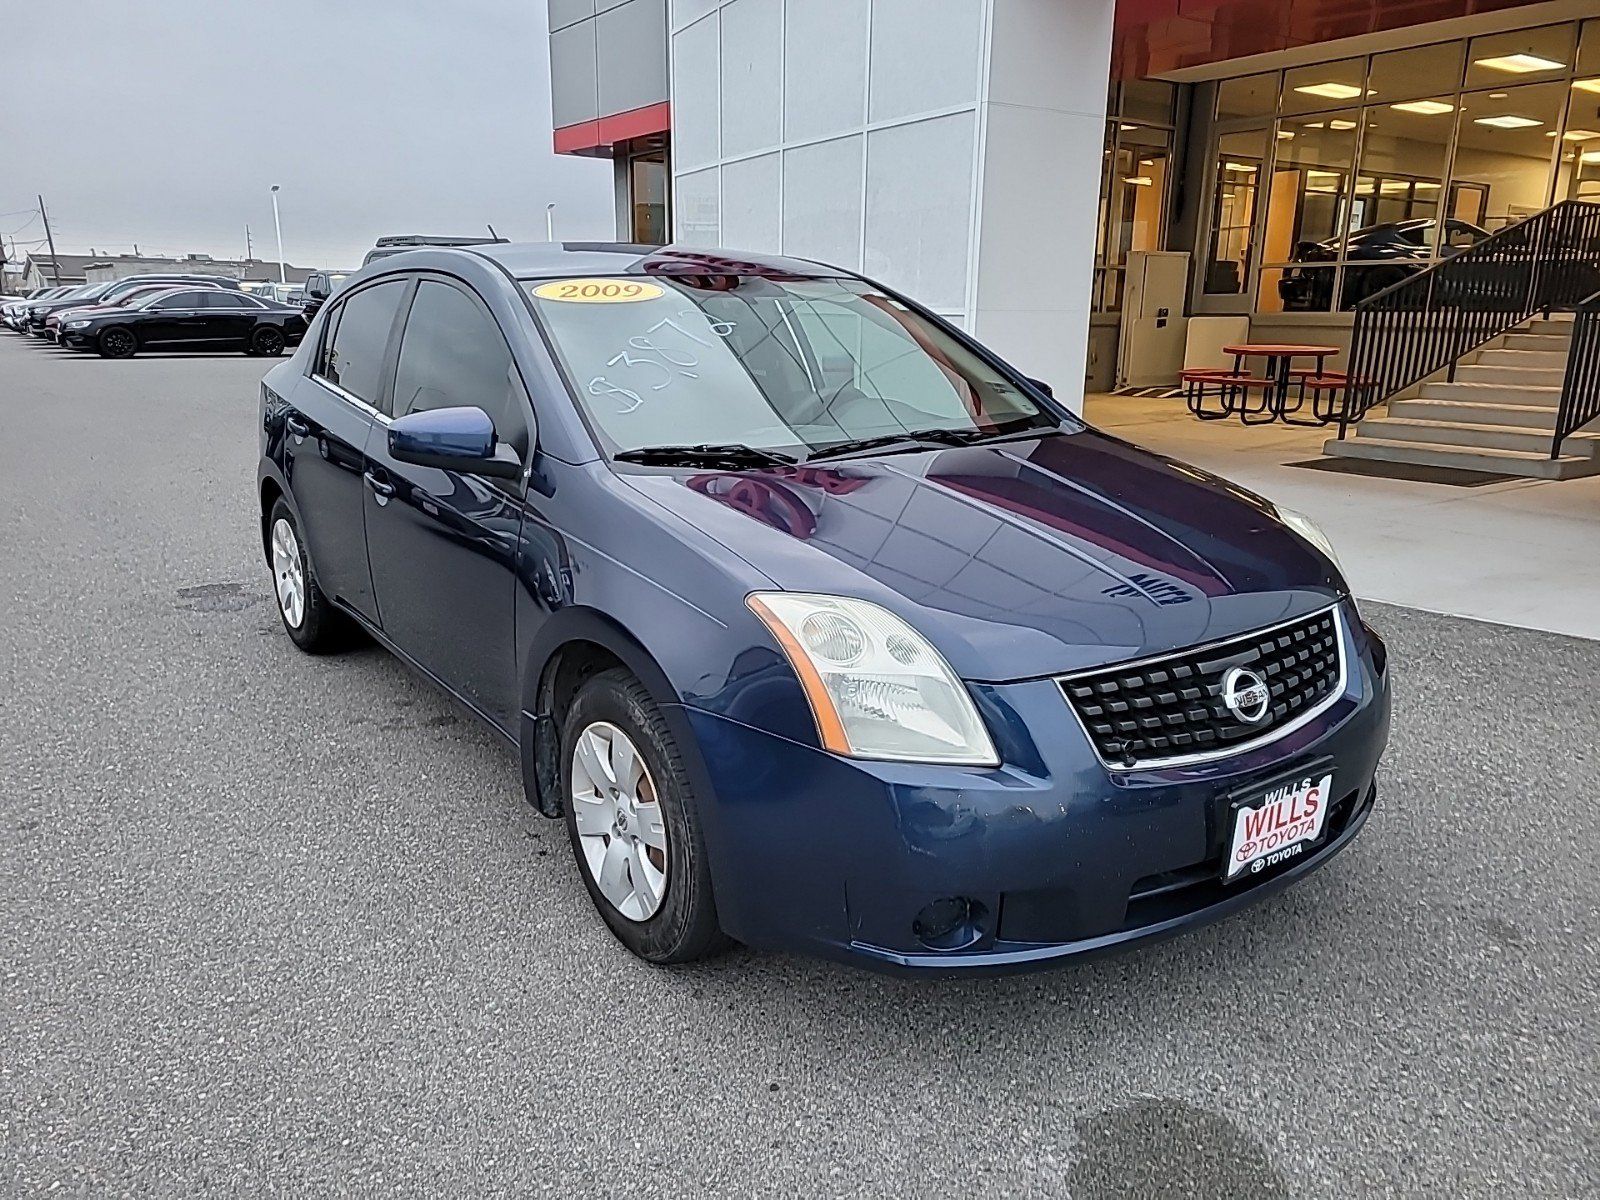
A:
{"x":1278,"y":826}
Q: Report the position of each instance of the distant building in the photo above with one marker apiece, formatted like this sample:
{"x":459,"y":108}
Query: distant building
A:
{"x":120,"y":266}
{"x":41,"y":270}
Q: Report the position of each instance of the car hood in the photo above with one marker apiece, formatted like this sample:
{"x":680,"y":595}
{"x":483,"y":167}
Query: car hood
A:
{"x":1020,"y":559}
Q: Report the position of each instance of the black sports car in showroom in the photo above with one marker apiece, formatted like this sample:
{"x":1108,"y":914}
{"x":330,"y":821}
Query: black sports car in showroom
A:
{"x":187,"y":319}
{"x":1379,"y":256}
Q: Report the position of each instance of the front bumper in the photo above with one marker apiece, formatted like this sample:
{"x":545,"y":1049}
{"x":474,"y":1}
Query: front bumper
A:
{"x":76,"y":339}
{"x":1059,"y":856}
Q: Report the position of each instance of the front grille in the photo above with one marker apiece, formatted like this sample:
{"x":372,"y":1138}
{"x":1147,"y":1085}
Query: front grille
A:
{"x":1172,"y":707}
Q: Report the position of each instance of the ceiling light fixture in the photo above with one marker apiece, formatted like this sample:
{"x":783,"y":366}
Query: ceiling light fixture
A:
{"x":1587,"y":85}
{"x":1341,"y":124}
{"x":1138,"y":180}
{"x":1519,"y":64}
{"x":1284,"y":134}
{"x":1247,"y":168}
{"x":1330,"y":90}
{"x":1425,"y":108}
{"x":1507,"y":121}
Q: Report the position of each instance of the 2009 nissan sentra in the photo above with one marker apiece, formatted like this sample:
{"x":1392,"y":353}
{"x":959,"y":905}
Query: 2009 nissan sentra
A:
{"x":821,"y":627}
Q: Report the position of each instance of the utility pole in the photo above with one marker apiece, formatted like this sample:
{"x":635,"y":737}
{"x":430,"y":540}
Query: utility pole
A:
{"x":283,"y":274}
{"x":249,"y":253}
{"x":55,"y":265}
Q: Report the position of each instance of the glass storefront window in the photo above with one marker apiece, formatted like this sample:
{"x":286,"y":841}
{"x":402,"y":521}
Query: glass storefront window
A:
{"x":1425,"y":71}
{"x":1325,"y":85}
{"x":1521,"y":56}
{"x":1148,"y":100}
{"x":1373,"y":167}
{"x":1504,"y":146}
{"x":1241,"y":159}
{"x":1309,"y":198}
{"x":1249,"y":96}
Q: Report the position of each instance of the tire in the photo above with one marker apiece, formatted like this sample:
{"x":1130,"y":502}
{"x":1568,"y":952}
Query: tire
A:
{"x":116,"y":342}
{"x":309,"y":618}
{"x":682,"y":927}
{"x":267,"y":341}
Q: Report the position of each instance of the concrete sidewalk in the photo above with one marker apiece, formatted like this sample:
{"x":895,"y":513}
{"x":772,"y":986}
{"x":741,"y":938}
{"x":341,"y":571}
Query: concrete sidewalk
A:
{"x":1523,"y":552}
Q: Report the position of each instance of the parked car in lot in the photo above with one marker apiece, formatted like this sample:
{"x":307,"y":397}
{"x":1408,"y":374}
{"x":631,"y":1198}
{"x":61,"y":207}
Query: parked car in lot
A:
{"x":14,"y":313}
{"x":319,"y":286}
{"x":104,"y":293}
{"x":821,"y":627}
{"x":52,"y":323}
{"x":186,"y":319}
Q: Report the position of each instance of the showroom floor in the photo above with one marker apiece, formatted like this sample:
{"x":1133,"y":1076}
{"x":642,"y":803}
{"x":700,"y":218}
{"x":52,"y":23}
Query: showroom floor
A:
{"x":1522,"y":552}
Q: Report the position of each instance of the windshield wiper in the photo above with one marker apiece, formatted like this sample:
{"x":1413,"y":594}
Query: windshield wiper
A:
{"x":734,"y":454}
{"x":919,"y":439}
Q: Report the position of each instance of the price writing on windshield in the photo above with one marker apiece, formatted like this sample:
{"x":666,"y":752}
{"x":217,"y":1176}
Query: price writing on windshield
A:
{"x":660,"y":365}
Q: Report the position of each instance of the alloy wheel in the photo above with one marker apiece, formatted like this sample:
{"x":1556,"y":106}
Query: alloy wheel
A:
{"x":117,"y":342}
{"x":621,"y":829}
{"x":288,"y":573}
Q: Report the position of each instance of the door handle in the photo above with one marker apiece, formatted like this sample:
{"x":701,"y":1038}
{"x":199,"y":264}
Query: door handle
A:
{"x":381,"y":488}
{"x":297,"y":427}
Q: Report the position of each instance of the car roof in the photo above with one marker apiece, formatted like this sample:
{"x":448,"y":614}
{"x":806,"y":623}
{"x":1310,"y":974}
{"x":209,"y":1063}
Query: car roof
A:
{"x":554,"y":260}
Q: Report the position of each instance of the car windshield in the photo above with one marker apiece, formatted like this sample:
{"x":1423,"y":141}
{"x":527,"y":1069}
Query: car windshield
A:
{"x":791,"y":365}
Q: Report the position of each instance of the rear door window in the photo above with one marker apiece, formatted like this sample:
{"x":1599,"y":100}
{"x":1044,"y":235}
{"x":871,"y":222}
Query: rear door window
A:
{"x":353,"y":354}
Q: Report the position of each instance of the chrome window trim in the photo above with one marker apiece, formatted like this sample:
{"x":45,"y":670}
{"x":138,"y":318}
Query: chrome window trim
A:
{"x":350,"y":398}
{"x":1203,"y":756}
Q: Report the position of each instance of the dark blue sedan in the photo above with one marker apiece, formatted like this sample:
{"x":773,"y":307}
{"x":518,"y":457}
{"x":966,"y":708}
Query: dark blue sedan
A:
{"x":820,"y":626}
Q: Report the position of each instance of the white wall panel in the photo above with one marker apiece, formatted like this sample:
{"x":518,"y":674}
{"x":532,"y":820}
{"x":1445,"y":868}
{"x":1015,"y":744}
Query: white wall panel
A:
{"x":696,"y":208}
{"x":752,"y":76}
{"x":822,"y":196}
{"x":825,"y":68}
{"x":752,"y":212}
{"x":926,"y":55}
{"x":696,"y":99}
{"x":919,"y":208}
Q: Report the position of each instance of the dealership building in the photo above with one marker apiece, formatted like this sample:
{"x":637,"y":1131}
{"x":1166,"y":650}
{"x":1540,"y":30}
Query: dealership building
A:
{"x":1069,"y":179}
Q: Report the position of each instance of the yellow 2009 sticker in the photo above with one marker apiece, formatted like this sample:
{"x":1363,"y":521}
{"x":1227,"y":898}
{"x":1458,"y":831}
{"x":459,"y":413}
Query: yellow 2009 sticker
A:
{"x":599,"y":291}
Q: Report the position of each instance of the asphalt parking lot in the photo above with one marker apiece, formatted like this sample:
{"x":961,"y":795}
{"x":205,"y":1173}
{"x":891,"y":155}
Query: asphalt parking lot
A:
{"x":283,"y":925}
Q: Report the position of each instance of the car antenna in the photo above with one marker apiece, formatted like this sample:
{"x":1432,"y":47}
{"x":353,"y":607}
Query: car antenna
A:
{"x":492,"y":233}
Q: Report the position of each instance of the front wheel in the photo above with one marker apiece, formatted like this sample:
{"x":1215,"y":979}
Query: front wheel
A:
{"x":267,"y":342}
{"x":310,"y":620}
{"x":117,"y":343}
{"x":633,"y":823}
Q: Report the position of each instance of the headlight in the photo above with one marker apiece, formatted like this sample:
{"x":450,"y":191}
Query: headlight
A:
{"x":877,"y":688}
{"x":1311,"y":531}
{"x":77,"y":324}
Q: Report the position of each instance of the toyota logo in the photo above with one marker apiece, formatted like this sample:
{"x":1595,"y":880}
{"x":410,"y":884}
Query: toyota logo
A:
{"x":1246,"y":695}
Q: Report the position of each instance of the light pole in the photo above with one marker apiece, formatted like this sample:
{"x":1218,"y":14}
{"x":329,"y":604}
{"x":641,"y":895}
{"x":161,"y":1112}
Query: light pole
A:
{"x":550,"y":221}
{"x":283,"y":275}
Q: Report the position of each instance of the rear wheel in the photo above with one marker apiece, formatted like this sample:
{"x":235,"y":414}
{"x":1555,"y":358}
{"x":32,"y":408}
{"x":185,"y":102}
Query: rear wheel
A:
{"x":634,"y":825}
{"x":310,"y":620}
{"x":117,"y":343}
{"x":267,"y":341}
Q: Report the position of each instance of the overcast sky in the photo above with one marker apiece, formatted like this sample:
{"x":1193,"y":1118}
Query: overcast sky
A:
{"x":165,"y":122}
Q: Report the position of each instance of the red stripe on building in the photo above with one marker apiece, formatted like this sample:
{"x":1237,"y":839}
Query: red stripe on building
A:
{"x":590,"y":136}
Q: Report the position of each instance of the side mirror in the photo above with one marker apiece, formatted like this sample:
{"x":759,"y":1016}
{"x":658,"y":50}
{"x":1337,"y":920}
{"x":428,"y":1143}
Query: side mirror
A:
{"x":316,"y":289}
{"x":453,"y":439}
{"x":1043,"y":387}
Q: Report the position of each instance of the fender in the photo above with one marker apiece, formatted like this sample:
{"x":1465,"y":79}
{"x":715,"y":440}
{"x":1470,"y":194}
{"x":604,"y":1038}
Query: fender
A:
{"x":268,"y":473}
{"x":540,"y":767}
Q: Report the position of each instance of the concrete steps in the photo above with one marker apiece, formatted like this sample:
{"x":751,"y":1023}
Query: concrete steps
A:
{"x":1474,"y":412}
{"x":1497,"y":415}
{"x":1461,"y":433}
{"x":1462,"y":458}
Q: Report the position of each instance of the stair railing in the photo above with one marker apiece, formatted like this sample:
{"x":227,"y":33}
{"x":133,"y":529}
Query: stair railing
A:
{"x":1580,"y":389}
{"x":1427,"y":321}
